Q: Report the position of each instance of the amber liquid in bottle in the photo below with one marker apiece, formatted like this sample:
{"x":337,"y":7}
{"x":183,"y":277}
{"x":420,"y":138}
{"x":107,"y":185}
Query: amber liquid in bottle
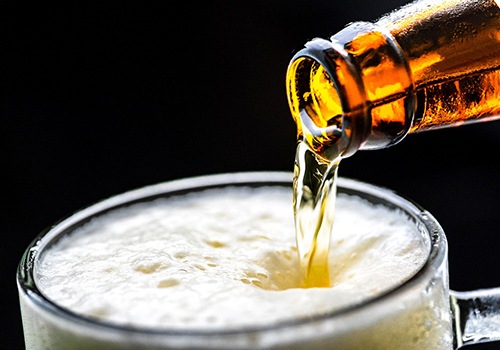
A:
{"x":428,"y":65}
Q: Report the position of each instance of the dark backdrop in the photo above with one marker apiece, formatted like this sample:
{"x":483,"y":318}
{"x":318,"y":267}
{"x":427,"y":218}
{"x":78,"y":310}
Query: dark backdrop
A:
{"x":99,"y":99}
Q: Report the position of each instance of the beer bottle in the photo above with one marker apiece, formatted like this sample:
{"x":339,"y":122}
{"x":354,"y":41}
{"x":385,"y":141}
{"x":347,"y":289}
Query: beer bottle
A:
{"x":429,"y":64}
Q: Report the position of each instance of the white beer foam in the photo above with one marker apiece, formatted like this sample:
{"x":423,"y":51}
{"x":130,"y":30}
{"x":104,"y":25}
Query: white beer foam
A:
{"x":223,"y":258}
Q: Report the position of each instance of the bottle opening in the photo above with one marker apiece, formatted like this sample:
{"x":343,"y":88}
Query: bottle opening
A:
{"x":354,"y":91}
{"x":315,"y":104}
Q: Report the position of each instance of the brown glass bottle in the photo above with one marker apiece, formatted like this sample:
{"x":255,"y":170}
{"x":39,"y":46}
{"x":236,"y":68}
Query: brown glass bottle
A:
{"x":429,"y":64}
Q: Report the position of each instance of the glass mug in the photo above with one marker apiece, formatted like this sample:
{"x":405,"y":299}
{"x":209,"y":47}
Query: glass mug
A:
{"x":422,"y":311}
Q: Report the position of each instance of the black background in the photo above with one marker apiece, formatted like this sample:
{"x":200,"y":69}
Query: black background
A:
{"x":97,"y":99}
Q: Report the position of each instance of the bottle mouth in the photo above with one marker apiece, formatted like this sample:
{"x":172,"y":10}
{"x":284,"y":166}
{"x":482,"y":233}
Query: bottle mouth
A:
{"x":317,"y":101}
{"x":354,"y":91}
{"x":315,"y":104}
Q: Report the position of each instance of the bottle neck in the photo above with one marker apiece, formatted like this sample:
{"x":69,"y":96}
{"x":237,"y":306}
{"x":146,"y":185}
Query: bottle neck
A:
{"x":352,"y":92}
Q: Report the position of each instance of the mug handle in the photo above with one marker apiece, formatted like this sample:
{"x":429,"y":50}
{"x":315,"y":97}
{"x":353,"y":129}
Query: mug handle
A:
{"x":476,"y":316}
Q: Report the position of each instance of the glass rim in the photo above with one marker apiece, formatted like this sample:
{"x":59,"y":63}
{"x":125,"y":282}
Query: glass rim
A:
{"x":27,"y":285}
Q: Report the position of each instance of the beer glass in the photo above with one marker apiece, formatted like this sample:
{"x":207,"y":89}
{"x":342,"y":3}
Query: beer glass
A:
{"x":422,"y":313}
